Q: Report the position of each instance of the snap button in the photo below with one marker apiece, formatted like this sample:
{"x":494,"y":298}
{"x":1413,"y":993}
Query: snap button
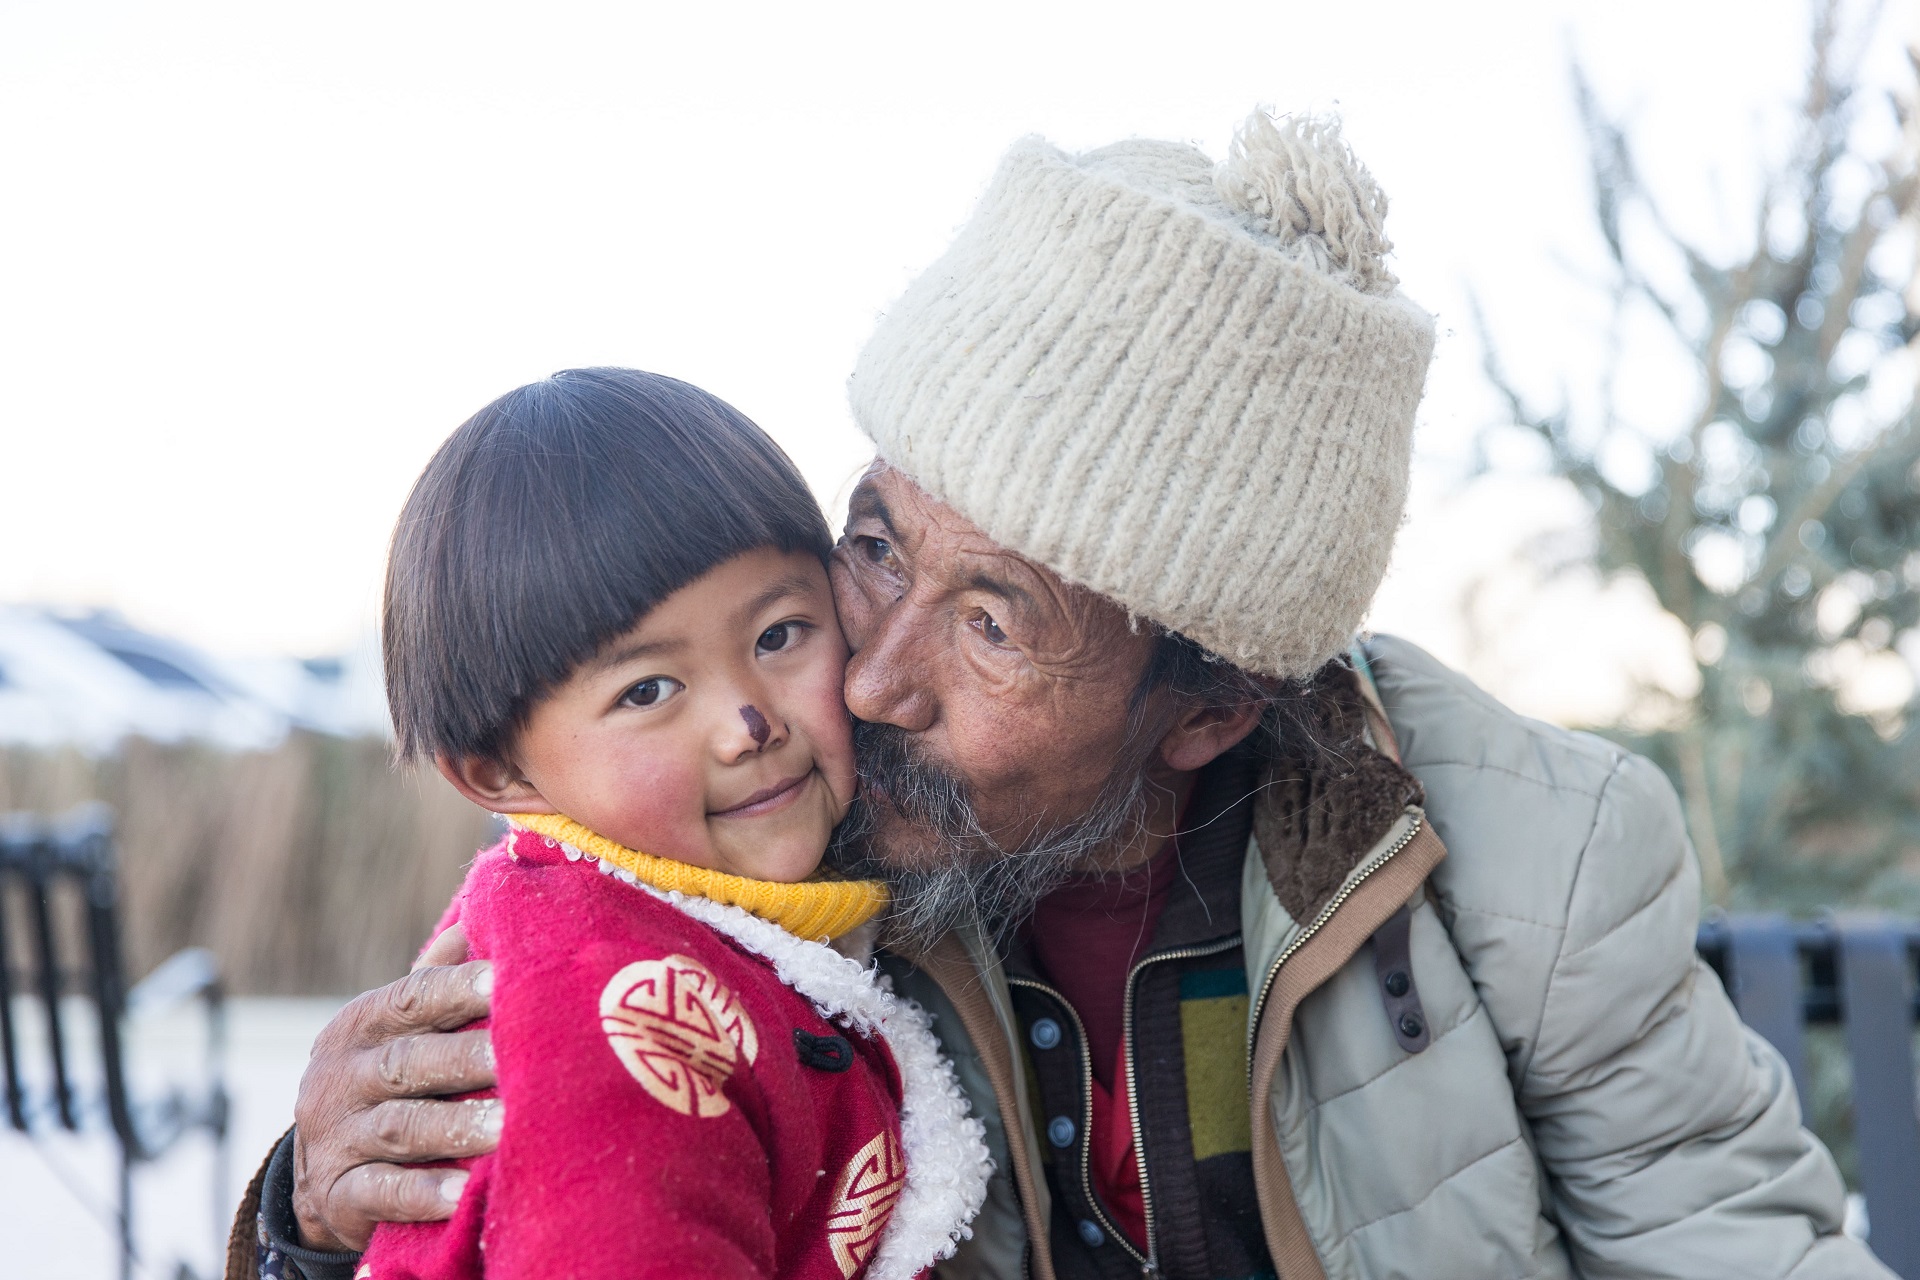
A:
{"x":1045,"y":1033}
{"x":1397,"y":983}
{"x":1091,"y":1233}
{"x":1411,"y":1026}
{"x":1060,"y":1131}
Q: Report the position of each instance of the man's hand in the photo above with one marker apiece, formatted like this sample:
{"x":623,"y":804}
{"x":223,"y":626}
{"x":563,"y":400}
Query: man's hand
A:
{"x":368,"y":1109}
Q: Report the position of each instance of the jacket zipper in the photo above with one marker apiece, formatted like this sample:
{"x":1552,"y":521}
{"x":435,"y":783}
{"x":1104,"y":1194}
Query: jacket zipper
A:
{"x":1150,"y":1265}
{"x":1086,"y":1118}
{"x":1319,"y":922}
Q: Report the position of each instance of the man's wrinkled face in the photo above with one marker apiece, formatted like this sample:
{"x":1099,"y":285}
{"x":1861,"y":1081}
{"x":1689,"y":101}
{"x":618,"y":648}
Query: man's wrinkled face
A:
{"x":990,"y":670}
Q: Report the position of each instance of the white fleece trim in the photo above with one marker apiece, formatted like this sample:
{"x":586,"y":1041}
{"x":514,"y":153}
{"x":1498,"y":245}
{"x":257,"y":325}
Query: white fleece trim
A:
{"x":945,"y":1147}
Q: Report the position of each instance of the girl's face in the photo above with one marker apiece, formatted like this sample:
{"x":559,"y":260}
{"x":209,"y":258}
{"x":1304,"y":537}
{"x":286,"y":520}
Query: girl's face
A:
{"x":713,"y":733}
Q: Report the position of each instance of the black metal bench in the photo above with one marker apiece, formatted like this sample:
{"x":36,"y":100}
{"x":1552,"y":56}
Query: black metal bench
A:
{"x":1857,"y":972}
{"x":58,"y":885}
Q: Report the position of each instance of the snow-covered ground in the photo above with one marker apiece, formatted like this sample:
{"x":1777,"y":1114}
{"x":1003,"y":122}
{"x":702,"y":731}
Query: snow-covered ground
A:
{"x":56,"y":1193}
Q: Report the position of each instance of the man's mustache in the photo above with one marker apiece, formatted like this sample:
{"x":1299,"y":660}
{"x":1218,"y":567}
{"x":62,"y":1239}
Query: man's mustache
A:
{"x":973,"y":875}
{"x":894,"y":771}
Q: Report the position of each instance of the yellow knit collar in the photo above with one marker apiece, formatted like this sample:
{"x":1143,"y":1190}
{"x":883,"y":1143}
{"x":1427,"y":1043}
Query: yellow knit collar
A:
{"x":810,"y":909}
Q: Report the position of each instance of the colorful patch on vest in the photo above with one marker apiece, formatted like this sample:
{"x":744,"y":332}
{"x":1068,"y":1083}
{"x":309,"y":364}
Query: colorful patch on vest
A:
{"x":864,"y":1200}
{"x":1213,"y":1034}
{"x":678,"y":1031}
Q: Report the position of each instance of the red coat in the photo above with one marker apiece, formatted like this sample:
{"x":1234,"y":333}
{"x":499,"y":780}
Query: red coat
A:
{"x":672,"y":1108}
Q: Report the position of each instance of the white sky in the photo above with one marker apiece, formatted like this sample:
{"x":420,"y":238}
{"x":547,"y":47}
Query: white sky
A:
{"x":257,"y":260}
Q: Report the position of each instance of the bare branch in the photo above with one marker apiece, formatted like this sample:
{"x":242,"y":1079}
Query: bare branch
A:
{"x":1815,"y":504}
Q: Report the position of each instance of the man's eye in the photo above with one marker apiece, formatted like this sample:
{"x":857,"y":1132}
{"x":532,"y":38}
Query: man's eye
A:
{"x":777,"y":637}
{"x":651,"y":692}
{"x":991,"y":629}
{"x":878,"y":550}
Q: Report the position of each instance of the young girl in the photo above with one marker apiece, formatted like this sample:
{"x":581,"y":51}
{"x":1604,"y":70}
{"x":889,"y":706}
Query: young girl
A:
{"x":608,"y":618}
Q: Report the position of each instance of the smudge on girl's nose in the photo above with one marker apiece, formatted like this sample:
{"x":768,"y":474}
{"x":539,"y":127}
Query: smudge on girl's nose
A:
{"x":756,"y":724}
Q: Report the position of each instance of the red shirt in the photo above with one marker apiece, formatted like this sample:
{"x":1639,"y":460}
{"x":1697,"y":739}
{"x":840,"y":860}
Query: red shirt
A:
{"x":1086,"y":937}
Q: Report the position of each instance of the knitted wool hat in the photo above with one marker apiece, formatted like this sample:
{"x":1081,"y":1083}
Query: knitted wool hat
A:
{"x":1185,"y":386}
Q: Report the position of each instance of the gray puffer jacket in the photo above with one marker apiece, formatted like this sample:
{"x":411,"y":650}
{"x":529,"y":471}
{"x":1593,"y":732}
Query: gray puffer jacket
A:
{"x":1585,"y":1103}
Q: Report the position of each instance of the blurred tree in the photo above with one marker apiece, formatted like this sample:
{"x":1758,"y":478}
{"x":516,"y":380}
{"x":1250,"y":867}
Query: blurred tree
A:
{"x":1781,"y":524}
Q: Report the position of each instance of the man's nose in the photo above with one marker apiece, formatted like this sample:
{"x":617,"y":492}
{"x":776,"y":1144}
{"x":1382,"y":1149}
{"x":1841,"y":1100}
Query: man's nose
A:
{"x":888,"y":678}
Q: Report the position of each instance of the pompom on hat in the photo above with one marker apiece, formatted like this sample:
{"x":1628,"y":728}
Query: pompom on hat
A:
{"x":1189,"y":387}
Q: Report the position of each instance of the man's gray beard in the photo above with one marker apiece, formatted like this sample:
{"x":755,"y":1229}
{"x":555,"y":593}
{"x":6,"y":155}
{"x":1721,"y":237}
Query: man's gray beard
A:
{"x":977,"y":877}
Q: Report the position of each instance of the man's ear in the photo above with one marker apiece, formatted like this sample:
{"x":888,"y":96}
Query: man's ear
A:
{"x":491,"y":784}
{"x":1202,"y":734}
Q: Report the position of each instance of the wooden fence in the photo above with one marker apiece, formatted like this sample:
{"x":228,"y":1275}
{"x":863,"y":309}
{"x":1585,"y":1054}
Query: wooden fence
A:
{"x":314,"y":868}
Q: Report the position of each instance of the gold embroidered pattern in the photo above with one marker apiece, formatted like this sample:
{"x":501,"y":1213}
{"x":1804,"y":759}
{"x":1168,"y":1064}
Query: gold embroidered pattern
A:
{"x":678,"y":1031}
{"x":864,"y":1200}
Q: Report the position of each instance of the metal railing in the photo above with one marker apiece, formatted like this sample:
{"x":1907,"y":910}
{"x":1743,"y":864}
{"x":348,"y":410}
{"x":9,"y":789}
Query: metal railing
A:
{"x":59,"y":882}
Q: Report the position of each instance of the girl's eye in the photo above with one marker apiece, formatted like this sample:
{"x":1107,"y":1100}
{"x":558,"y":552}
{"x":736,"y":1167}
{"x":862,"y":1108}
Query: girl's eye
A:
{"x":651,"y":692}
{"x":777,"y":637}
{"x":991,"y":630}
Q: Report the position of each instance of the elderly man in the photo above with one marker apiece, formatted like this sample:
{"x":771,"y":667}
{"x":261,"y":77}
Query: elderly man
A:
{"x":1258,"y":950}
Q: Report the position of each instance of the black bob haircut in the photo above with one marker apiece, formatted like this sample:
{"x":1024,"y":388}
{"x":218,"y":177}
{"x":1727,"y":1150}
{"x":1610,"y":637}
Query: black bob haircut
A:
{"x":548,"y":524}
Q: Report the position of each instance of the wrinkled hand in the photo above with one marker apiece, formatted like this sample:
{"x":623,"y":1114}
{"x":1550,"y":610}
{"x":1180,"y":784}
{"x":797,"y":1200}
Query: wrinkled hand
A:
{"x":368,"y":1110}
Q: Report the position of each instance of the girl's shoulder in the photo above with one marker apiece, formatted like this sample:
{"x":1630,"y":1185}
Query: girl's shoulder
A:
{"x":611,"y":987}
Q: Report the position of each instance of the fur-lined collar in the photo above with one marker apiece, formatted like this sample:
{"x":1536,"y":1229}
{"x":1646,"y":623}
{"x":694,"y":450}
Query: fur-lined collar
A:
{"x":1323,"y":806}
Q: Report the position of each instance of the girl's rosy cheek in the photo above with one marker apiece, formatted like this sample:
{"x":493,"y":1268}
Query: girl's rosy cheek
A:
{"x":659,"y":802}
{"x":827,"y":722}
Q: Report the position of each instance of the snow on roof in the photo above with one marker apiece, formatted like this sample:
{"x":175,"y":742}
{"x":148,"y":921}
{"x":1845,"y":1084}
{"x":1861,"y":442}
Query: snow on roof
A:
{"x":89,"y":680}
